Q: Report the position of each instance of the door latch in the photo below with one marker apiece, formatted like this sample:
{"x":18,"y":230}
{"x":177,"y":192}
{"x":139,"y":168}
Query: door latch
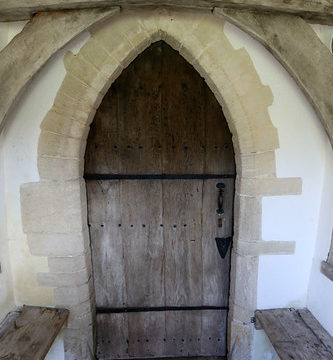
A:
{"x":220,"y":210}
{"x":223,"y":245}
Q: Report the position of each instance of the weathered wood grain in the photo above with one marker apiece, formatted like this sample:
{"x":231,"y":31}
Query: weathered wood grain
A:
{"x":32,"y":48}
{"x":219,"y":151}
{"x":112,"y":336}
{"x":146,"y":334}
{"x":182,"y":203}
{"x":299,"y":54}
{"x":213,"y":341}
{"x":29,"y":334}
{"x":321,"y":11}
{"x":296,"y":334}
{"x":211,"y":259}
{"x":153,"y":241}
{"x":139,"y":121}
{"x":183,"y":116}
{"x":141,"y":214}
{"x":104,"y":218}
{"x":165,"y":121}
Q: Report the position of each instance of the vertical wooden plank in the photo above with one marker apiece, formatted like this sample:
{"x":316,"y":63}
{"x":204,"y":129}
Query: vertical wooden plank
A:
{"x":139,"y":104}
{"x":219,"y":155}
{"x":183,"y":124}
{"x":183,"y":331}
{"x":182,"y":201}
{"x":106,"y":242}
{"x":215,"y":271}
{"x":102,"y":146}
{"x":112,"y":336}
{"x":141,"y":214}
{"x":147,"y":334}
{"x":213,"y":333}
{"x":154,"y":247}
{"x":141,"y":211}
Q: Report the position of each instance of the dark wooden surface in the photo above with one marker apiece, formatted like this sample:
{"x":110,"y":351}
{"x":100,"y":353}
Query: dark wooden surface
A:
{"x":153,"y":240}
{"x":296,"y":334}
{"x":28,"y":334}
{"x":159,"y":117}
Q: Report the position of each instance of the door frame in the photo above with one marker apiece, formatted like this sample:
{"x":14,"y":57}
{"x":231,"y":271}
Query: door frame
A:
{"x":233,"y":79}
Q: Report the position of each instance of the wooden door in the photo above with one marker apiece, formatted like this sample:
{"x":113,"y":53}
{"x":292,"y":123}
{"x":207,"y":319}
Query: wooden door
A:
{"x":157,"y":149}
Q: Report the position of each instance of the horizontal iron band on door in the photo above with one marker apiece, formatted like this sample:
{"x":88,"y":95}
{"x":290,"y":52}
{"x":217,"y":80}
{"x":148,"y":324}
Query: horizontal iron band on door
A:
{"x":105,"y":310}
{"x":157,"y":176}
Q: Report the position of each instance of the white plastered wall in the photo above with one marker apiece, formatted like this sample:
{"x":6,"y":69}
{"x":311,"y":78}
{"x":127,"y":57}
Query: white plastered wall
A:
{"x":304,"y":152}
{"x":7,"y":303}
{"x":18,"y":165}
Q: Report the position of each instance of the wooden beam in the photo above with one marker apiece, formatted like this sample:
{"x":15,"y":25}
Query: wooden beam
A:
{"x":313,"y":10}
{"x":296,"y":334}
{"x":29,"y":51}
{"x":295,"y":45}
{"x":29,"y":333}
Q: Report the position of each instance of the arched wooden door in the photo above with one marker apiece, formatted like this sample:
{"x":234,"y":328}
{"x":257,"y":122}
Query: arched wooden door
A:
{"x":157,"y":150}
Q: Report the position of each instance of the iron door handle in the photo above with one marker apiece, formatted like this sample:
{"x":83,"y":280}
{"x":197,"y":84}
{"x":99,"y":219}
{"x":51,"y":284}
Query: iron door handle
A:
{"x":220,"y":210}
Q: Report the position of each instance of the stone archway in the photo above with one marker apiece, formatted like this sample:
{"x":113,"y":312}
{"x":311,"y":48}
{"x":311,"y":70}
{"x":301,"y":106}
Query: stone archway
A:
{"x":54,"y":209}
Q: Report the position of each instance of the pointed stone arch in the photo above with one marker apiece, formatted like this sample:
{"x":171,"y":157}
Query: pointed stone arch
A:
{"x":54,"y":209}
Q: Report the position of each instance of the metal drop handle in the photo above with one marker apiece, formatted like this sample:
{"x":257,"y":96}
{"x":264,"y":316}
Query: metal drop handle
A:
{"x":220,"y":210}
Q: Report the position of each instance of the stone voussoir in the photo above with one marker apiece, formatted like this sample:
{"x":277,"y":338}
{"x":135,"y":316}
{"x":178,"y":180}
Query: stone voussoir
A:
{"x":72,"y":295}
{"x":115,"y":44}
{"x":64,"y":279}
{"x":58,"y":124}
{"x":81,"y":94}
{"x":270,"y":186}
{"x":110,"y":48}
{"x":94,"y":53}
{"x":77,"y":322}
{"x":55,"y":145}
{"x":51,"y":168}
{"x":241,"y":335}
{"x":256,"y":165}
{"x":77,"y":66}
{"x":52,"y":207}
{"x":240,"y":313}
{"x":241,"y":292}
{"x":43,"y":244}
{"x":248,"y":227}
{"x":70,"y":263}
{"x":256,"y":248}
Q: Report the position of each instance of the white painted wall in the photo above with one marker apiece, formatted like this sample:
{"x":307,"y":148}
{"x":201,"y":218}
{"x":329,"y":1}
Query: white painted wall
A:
{"x":6,"y":284}
{"x":8,"y":30}
{"x":320,"y":295}
{"x":7,"y":303}
{"x":18,"y":165}
{"x":325,"y":34}
{"x":305,"y":151}
{"x":292,"y":280}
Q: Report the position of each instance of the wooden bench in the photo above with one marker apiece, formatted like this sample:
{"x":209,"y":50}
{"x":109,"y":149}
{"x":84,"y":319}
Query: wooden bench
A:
{"x":295,"y":334}
{"x":27,"y":334}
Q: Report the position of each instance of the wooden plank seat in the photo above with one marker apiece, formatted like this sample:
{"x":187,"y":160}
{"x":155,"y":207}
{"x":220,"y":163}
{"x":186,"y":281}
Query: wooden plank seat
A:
{"x":295,"y":334}
{"x":28,"y":333}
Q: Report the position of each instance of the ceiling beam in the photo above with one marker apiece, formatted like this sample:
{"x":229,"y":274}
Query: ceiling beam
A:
{"x":320,"y":11}
{"x":295,"y":45}
{"x":29,"y":51}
